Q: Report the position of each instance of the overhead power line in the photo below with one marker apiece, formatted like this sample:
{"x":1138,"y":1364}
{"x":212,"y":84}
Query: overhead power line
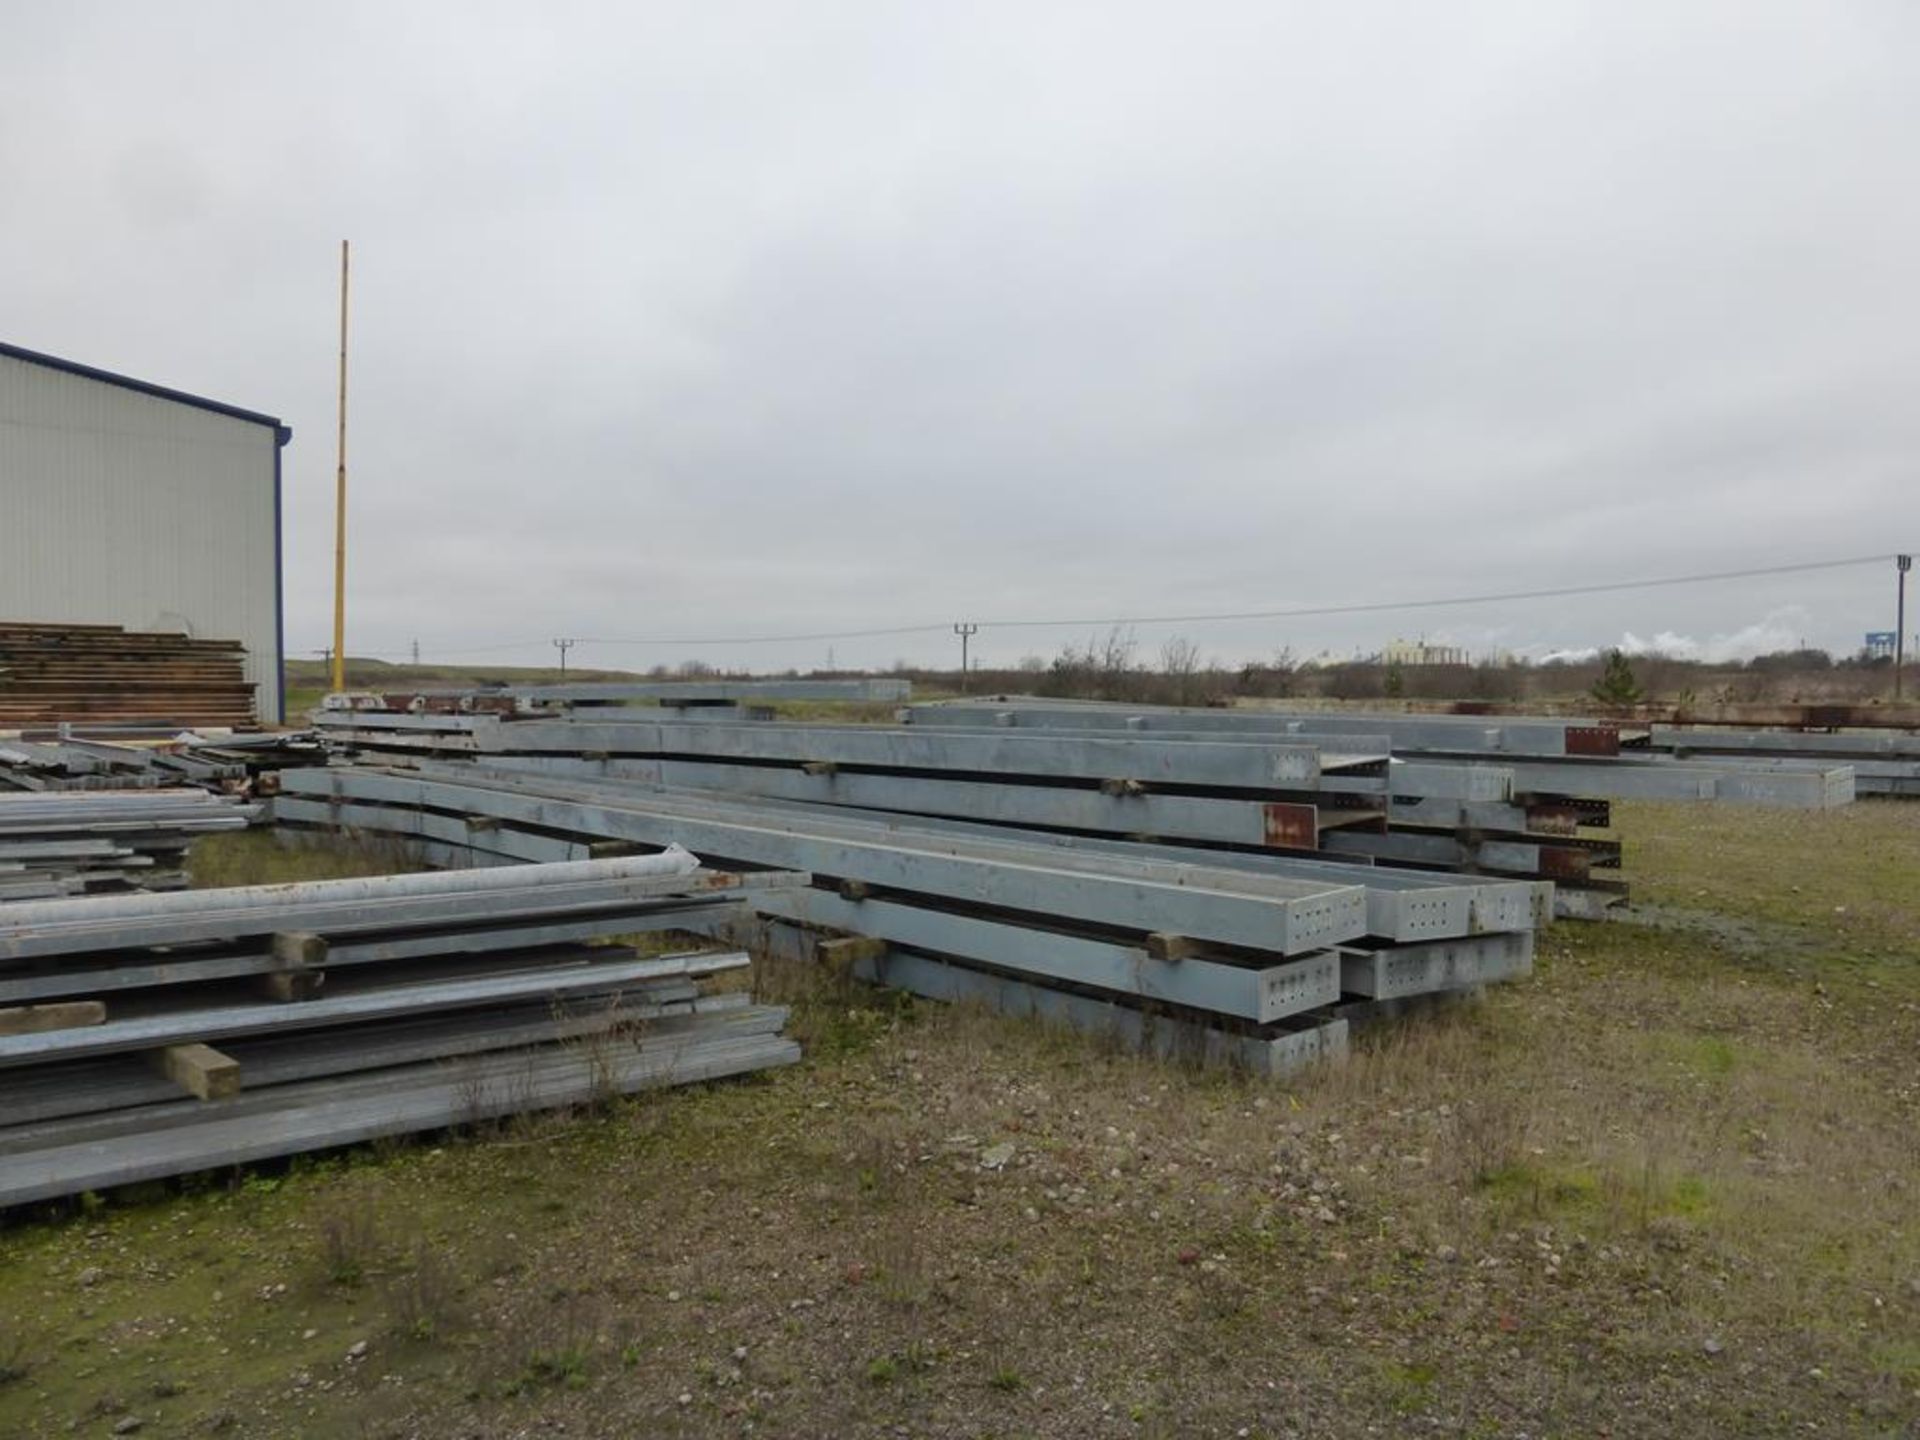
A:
{"x":1287,"y":612}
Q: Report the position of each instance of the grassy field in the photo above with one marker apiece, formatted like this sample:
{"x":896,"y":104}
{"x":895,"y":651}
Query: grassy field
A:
{"x":1665,"y":1187}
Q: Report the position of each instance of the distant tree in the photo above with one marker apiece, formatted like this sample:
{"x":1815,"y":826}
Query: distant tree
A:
{"x":1394,"y":682}
{"x":1180,"y":662}
{"x":1617,"y":684}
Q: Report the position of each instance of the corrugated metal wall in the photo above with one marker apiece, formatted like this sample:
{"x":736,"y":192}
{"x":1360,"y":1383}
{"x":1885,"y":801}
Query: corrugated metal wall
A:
{"x":122,"y":508}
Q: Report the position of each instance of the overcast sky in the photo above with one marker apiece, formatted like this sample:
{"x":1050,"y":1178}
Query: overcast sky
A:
{"x":713,"y":320}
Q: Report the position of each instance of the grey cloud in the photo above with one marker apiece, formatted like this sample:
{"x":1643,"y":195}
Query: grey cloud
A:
{"x":705,"y":321}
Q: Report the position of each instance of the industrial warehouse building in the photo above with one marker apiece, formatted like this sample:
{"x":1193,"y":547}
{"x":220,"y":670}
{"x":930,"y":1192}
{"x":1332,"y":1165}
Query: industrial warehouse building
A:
{"x":129,"y":504}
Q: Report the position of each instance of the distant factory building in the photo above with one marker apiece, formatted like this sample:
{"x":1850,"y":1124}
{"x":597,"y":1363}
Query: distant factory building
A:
{"x":125,"y":504}
{"x":1419,"y":652}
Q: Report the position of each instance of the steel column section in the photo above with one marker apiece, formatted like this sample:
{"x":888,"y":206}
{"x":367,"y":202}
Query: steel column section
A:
{"x":1684,"y":741}
{"x":1434,"y":965}
{"x":1657,"y":780}
{"x":1260,"y":994}
{"x":1492,"y":735}
{"x":1257,"y":765}
{"x":691,"y":692}
{"x":1229,"y":821}
{"x":1288,"y":921}
{"x":1274,"y":1052}
{"x":1400,"y":906}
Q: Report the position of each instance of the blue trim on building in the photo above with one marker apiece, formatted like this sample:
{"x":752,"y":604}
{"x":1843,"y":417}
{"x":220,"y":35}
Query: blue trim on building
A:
{"x":280,"y":438}
{"x":127,"y":382}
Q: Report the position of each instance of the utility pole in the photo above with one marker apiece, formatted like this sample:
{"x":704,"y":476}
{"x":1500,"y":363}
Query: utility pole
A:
{"x":966,"y":631}
{"x":563,"y":646}
{"x":340,"y":502}
{"x":1901,"y":564}
{"x":416,"y":652}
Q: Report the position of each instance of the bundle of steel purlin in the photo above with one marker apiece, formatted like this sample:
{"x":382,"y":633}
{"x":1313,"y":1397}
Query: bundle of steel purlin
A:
{"x":218,"y":762}
{"x":154,"y":1035}
{"x":1240,"y":956}
{"x":1298,"y":792}
{"x":1568,"y":759}
{"x":105,"y":841}
{"x":68,"y":764}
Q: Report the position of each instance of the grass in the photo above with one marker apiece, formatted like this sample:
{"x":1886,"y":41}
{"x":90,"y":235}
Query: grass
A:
{"x":1664,"y":1186}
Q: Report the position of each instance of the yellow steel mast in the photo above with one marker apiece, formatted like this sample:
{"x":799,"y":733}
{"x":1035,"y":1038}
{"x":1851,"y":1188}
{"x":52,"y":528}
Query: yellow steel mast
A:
{"x":340,"y":503}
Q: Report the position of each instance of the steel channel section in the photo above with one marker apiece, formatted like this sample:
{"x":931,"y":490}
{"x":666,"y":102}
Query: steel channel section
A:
{"x":674,"y":862}
{"x":178,"y":1111}
{"x":121,"y":974}
{"x":317,"y":1116}
{"x":32,"y":1098}
{"x":1262,"y":995}
{"x":209,"y":1026}
{"x":1316,"y":917}
{"x":447,"y":829}
{"x":119,"y":1095}
{"x":482,"y":1066}
{"x":358,"y":917}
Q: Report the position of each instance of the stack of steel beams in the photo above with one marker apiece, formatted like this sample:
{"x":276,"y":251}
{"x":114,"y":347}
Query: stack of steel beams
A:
{"x":1884,"y":762}
{"x":146,"y":1036}
{"x":1550,"y":757}
{"x":1104,"y":770}
{"x":1492,"y":795}
{"x":102,"y":841}
{"x":708,"y":697}
{"x":1227,"y":954}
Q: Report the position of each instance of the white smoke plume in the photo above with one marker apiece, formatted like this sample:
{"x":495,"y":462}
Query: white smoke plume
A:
{"x":1780,"y":629}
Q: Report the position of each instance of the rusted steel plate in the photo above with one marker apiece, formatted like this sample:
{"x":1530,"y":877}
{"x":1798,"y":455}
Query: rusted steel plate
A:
{"x":1292,"y":826}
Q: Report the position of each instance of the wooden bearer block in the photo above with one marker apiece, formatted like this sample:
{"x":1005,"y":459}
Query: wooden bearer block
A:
{"x":288,"y":986}
{"x":840,"y":955}
{"x":1163,"y":946}
{"x":854,"y":890}
{"x":200,"y":1070}
{"x":1122,"y":788}
{"x":299,"y":949}
{"x":302,"y":954}
{"x":819,"y":767}
{"x":67,"y":1015}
